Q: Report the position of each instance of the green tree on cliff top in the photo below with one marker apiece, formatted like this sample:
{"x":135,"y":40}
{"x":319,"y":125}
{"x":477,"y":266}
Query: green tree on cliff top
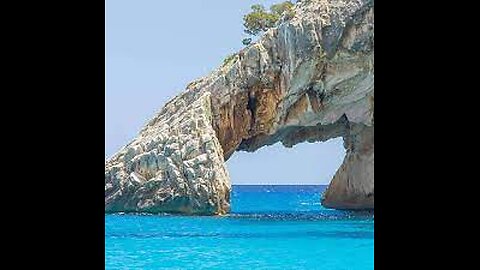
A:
{"x":260,"y":20}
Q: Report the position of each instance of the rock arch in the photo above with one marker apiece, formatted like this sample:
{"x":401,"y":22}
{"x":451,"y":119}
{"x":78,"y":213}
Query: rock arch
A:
{"x":309,"y":79}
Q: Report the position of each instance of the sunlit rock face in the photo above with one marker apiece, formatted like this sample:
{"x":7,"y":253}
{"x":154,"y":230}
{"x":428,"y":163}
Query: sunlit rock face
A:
{"x":174,"y":165}
{"x":309,"y":79}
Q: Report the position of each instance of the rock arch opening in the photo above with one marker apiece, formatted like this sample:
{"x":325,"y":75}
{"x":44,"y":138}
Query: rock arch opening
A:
{"x":303,"y":164}
{"x":351,"y":187}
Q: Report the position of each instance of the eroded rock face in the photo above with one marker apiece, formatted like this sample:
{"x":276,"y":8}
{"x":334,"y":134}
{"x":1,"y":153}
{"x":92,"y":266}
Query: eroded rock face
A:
{"x":309,"y":79}
{"x":352,"y":185}
{"x":175,"y":165}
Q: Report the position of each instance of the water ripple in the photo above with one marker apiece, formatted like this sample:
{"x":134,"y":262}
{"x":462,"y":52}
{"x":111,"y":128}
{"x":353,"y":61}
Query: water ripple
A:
{"x":281,"y":235}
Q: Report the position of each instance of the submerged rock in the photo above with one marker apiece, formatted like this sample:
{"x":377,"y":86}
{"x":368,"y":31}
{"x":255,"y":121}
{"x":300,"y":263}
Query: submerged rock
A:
{"x":311,"y":78}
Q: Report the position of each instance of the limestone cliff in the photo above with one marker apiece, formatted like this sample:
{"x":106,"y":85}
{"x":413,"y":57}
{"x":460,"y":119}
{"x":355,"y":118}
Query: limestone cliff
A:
{"x":311,"y":78}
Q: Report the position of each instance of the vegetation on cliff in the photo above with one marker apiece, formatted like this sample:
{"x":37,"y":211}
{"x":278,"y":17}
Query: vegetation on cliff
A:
{"x":260,"y":20}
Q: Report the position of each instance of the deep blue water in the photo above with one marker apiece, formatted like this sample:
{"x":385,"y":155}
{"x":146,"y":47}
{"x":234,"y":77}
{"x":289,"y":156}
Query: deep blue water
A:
{"x":270,"y":227}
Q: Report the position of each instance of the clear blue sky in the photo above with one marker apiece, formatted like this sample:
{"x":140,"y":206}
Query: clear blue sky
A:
{"x":154,"y":48}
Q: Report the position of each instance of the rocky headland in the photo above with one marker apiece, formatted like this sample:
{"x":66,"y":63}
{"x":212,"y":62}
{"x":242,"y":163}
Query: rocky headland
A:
{"x":311,"y":78}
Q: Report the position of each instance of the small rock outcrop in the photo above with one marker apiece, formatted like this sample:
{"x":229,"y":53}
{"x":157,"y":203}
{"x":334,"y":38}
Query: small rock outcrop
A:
{"x":311,"y":78}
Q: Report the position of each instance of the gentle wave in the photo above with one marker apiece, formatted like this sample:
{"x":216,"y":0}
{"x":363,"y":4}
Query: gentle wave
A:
{"x":314,"y":234}
{"x":283,"y":216}
{"x":305,"y":203}
{"x":334,"y":215}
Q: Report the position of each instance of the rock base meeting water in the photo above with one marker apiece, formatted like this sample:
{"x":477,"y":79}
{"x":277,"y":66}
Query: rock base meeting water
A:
{"x":270,"y":227}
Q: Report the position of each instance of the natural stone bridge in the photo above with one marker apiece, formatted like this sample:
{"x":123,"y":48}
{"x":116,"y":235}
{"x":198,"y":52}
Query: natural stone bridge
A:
{"x":309,"y":79}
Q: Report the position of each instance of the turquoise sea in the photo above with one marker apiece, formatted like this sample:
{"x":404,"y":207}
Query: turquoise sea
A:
{"x":270,"y":227}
